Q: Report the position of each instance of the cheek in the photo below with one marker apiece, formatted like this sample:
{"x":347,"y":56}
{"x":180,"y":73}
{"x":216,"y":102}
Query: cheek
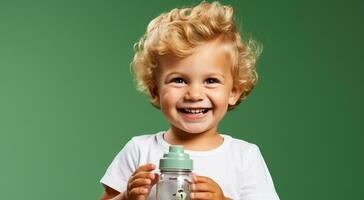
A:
{"x":221,"y":98}
{"x":169,"y":97}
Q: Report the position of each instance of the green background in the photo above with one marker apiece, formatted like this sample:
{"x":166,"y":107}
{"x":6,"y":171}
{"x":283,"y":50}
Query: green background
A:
{"x":68,"y":102}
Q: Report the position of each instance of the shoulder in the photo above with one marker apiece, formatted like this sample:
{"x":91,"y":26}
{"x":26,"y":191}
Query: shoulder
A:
{"x":244,"y":151}
{"x":239,"y":145}
{"x":144,"y":139}
{"x":143,"y":144}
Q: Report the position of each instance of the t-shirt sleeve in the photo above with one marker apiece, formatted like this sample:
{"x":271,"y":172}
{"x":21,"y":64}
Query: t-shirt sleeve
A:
{"x":121,"y":168}
{"x":257,"y":181}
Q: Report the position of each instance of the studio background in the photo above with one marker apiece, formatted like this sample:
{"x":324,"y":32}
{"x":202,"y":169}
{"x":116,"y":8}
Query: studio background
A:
{"x":68,"y":102}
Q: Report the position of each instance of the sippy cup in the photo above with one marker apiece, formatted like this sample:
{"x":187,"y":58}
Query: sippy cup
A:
{"x":175,"y":178}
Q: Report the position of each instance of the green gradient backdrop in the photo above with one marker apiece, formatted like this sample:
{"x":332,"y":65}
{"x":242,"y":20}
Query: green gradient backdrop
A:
{"x":68,"y":103}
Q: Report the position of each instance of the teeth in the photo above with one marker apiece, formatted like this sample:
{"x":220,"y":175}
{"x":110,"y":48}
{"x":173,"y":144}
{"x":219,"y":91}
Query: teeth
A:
{"x":194,"y":111}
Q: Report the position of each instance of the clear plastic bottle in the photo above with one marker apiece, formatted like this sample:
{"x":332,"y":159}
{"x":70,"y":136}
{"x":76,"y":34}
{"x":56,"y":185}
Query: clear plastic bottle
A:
{"x":175,"y":178}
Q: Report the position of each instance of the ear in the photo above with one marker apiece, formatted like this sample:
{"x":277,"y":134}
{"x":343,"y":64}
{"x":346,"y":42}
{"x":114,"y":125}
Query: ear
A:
{"x":154,"y":95}
{"x":235,"y":94}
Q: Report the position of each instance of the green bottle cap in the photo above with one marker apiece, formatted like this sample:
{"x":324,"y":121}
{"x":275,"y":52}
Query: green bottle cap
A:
{"x":176,"y":159}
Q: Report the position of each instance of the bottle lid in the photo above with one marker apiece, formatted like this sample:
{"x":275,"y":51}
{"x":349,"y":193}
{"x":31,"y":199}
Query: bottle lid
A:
{"x":176,"y":159}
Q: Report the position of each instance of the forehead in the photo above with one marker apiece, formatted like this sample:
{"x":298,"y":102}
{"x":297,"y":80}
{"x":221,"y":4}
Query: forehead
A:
{"x":209,"y":57}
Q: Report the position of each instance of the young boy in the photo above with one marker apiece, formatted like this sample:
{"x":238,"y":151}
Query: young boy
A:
{"x":195,"y":67}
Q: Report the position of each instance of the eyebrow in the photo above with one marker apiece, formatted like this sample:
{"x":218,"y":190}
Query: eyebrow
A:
{"x":218,"y":74}
{"x":174,"y":73}
{"x":182,"y":74}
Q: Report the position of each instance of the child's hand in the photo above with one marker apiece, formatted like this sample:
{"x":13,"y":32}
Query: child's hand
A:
{"x":206,"y":188}
{"x":141,"y":182}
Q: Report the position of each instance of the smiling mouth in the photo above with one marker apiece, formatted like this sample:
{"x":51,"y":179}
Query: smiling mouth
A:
{"x":194,"y":110}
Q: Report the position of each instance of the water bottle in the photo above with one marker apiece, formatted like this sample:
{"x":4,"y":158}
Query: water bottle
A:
{"x":175,"y":175}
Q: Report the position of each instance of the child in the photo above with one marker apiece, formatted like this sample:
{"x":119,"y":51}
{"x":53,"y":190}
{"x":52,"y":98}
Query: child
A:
{"x":194,"y":66}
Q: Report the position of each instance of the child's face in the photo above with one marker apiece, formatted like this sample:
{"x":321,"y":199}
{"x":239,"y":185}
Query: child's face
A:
{"x":194,"y":92}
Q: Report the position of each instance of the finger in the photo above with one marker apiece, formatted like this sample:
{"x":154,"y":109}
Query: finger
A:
{"x":140,"y":182}
{"x":201,"y":195}
{"x":147,"y":175}
{"x":202,"y":179}
{"x":145,"y":168}
{"x":202,"y":187}
{"x":143,"y":178}
{"x":155,"y":179}
{"x":138,"y":191}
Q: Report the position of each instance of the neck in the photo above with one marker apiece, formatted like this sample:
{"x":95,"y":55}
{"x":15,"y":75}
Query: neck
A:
{"x":194,"y":141}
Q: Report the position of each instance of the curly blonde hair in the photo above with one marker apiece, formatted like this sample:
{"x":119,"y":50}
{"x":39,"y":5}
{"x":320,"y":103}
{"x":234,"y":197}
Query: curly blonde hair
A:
{"x":180,"y":31}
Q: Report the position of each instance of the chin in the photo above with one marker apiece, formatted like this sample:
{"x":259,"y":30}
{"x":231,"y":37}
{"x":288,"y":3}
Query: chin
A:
{"x":196,"y":130}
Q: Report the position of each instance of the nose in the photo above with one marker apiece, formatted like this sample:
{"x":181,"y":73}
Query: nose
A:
{"x":194,"y":93}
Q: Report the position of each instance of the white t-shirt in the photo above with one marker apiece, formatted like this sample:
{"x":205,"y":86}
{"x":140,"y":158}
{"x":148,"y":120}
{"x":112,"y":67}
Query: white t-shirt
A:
{"x":236,"y":165}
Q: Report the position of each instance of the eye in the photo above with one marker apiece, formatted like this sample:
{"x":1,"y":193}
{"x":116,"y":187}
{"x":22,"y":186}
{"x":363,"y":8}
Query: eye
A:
{"x":212,"y":80}
{"x":178,"y":80}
